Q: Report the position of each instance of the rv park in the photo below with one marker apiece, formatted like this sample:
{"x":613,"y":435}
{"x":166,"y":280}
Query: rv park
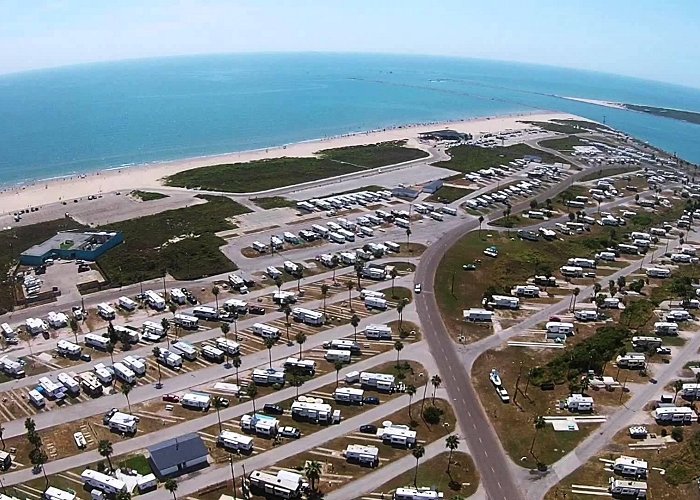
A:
{"x":515,"y":318}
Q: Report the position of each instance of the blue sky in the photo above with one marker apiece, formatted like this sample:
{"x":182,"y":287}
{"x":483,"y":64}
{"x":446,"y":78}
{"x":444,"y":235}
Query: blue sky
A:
{"x":657,"y":40}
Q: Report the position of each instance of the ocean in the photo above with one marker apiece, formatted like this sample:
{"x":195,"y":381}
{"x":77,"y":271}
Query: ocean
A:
{"x":77,"y":119}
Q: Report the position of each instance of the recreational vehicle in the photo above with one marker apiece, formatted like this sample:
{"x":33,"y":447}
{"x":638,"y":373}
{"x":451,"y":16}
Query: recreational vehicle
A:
{"x":184,"y":349}
{"x":265,"y":331}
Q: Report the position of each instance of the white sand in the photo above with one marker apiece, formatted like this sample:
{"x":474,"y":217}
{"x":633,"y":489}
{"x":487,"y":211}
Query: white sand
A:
{"x":150,"y":176}
{"x":597,"y":102}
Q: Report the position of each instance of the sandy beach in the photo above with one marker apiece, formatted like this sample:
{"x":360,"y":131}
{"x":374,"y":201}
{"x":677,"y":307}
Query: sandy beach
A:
{"x":597,"y":102}
{"x":151,"y":175}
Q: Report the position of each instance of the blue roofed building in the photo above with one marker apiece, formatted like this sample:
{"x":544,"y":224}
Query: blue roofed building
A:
{"x":178,"y":456}
{"x":70,"y":245}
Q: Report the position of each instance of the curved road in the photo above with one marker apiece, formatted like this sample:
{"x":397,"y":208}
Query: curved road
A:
{"x":480,"y":436}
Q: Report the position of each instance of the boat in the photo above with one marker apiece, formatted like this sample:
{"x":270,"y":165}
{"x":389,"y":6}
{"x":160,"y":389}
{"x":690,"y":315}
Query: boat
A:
{"x":495,"y":378}
{"x":503,"y":394}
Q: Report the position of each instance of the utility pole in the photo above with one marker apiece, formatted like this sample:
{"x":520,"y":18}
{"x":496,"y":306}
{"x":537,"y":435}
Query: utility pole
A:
{"x":233,"y":477}
{"x":517,"y":382}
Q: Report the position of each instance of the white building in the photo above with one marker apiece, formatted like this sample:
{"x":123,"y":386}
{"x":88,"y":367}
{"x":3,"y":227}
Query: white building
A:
{"x":630,"y":466}
{"x":196,"y":400}
{"x":477,"y":315}
{"x":266,"y":376}
{"x":264,"y":425}
{"x":350,"y":395}
{"x":579,"y":402}
{"x":103,"y":482}
{"x":380,"y":381}
{"x":314,"y":410}
{"x":235,"y":442}
{"x":123,"y":422}
{"x":398,"y":435}
{"x":417,"y":494}
{"x":364,"y":454}
{"x":285,"y":484}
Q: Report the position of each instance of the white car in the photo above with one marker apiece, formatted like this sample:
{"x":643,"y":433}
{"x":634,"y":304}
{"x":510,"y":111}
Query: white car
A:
{"x":290,"y":432}
{"x":417,"y":288}
{"x":80,"y":440}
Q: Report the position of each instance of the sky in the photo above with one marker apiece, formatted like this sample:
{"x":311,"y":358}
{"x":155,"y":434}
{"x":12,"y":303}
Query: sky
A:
{"x":651,"y":39}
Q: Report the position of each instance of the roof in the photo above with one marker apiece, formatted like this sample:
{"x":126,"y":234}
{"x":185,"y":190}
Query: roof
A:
{"x":70,"y":240}
{"x":176,"y":451}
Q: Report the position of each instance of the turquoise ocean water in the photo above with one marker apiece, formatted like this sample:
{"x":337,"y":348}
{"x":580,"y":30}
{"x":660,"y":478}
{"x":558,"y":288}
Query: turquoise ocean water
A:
{"x":84,"y":118}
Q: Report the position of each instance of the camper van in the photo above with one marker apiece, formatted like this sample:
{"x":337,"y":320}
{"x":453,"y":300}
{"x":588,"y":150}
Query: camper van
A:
{"x":186,"y":321}
{"x":375,"y":303}
{"x":106,"y":311}
{"x":205,"y":313}
{"x":212,"y":354}
{"x":96,"y":341}
{"x":378,"y":332}
{"x":307,"y":316}
{"x":184,"y":349}
{"x":229,"y":346}
{"x":154,"y":301}
{"x":266,"y":331}
{"x":342,"y":356}
{"x":127,"y":304}
{"x":170,"y":359}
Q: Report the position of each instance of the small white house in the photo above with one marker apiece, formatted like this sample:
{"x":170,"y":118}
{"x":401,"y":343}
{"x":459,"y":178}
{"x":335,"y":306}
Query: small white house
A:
{"x":103,"y":482}
{"x":364,"y":454}
{"x":477,"y":315}
{"x":199,"y":400}
{"x":675,"y":415}
{"x":579,"y":403}
{"x":351,"y":395}
{"x":123,"y":422}
{"x":380,"y":381}
{"x":630,"y":466}
{"x":235,"y":442}
{"x":560,"y":327}
{"x":264,"y":425}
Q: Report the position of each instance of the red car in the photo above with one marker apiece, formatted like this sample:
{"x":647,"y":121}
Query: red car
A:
{"x":555,"y":318}
{"x":171,"y":398}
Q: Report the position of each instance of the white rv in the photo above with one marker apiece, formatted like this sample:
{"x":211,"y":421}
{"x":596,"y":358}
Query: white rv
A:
{"x":338,"y":355}
{"x":375,"y":303}
{"x":308,"y":316}
{"x":135,"y":365}
{"x":228,"y":346}
{"x":170,"y":359}
{"x":155,"y":301}
{"x":68,"y":349}
{"x":96,"y":341}
{"x":233,"y":441}
{"x":205,"y":313}
{"x":378,"y":332}
{"x":106,"y":311}
{"x":103,"y":482}
{"x":123,"y":373}
{"x":186,"y":321}
{"x":184,"y":349}
{"x":477,"y":315}
{"x":199,"y":400}
{"x":127,"y":304}
{"x":266,"y":331}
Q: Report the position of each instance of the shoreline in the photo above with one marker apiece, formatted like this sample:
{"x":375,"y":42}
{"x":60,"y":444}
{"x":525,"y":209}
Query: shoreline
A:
{"x":15,"y":197}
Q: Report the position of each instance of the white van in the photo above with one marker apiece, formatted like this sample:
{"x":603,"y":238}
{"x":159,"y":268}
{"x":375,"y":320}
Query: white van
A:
{"x":127,"y":304}
{"x":36,"y":398}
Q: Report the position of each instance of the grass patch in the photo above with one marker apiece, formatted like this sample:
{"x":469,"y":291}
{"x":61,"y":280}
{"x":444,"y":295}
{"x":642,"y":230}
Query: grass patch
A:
{"x":181,"y":241}
{"x":18,"y":239}
{"x":512,"y":221}
{"x":563,"y":143}
{"x":467,"y":158}
{"x":372,"y":187}
{"x":448,"y":194}
{"x":461,"y":479}
{"x":260,"y":175}
{"x":675,"y":114}
{"x":139,"y":463}
{"x":147,"y":195}
{"x":274,"y":202}
{"x":562,"y":128}
{"x":585,"y":125}
{"x":607,"y":173}
{"x":374,"y":155}
{"x":399,"y":293}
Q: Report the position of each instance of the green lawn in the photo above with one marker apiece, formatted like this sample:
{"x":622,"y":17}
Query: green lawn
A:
{"x":260,"y":175}
{"x":137,"y":462}
{"x":585,"y":125}
{"x":448,"y":194}
{"x":563,"y":143}
{"x":461,"y":481}
{"x":148,"y":248}
{"x":467,"y":158}
{"x":512,"y":221}
{"x":147,"y":195}
{"x":274,"y":202}
{"x":608,"y":172}
{"x":18,"y":239}
{"x":562,"y":128}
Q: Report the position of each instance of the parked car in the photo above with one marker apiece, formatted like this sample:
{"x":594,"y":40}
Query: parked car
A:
{"x":371,"y":400}
{"x":171,"y":398}
{"x":85,"y":357}
{"x":273,"y":409}
{"x":256,"y":310}
{"x":368,"y":429}
{"x":290,"y":432}
{"x":417,"y":288}
{"x":78,"y":312}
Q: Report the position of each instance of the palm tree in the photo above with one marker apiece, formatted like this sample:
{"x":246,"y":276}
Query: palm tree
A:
{"x":110,"y":350}
{"x":597,"y":288}
{"x":218,"y":402}
{"x":300,"y":339}
{"x":399,"y":309}
{"x":215,"y":292}
{"x":156,"y":354}
{"x":74,"y":328}
{"x":295,"y":380}
{"x":312,"y":471}
{"x":355,"y":321}
{"x":338,"y":366}
{"x":225,"y":328}
{"x":171,"y":486}
{"x":287,"y":311}
{"x":38,"y":457}
{"x":358,"y":273}
{"x":394,"y":274}
{"x":236,"y":362}
{"x":574,"y":295}
{"x":252,"y":391}
{"x":398,"y":345}
{"x":126,"y":389}
{"x":452,"y":443}
{"x":350,"y":286}
{"x":324,"y":293}
{"x":481,"y":221}
{"x":436,"y":381}
{"x":278,"y":284}
{"x":166,"y":326}
{"x":269,"y":344}
{"x":411,"y":391}
{"x":300,"y":275}
{"x":417,"y":453}
{"x":677,"y":386}
{"x":123,"y":495}
{"x":104,"y":448}
{"x":408,"y":239}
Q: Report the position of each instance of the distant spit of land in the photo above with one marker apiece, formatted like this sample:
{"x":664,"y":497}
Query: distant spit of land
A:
{"x":674,"y":114}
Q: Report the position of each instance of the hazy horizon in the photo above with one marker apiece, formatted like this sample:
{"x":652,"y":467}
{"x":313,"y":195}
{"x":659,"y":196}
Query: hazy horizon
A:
{"x":640,"y":39}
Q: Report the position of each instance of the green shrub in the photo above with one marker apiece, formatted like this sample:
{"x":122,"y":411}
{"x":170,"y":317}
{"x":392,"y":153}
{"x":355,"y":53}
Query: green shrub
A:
{"x":432,"y":415}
